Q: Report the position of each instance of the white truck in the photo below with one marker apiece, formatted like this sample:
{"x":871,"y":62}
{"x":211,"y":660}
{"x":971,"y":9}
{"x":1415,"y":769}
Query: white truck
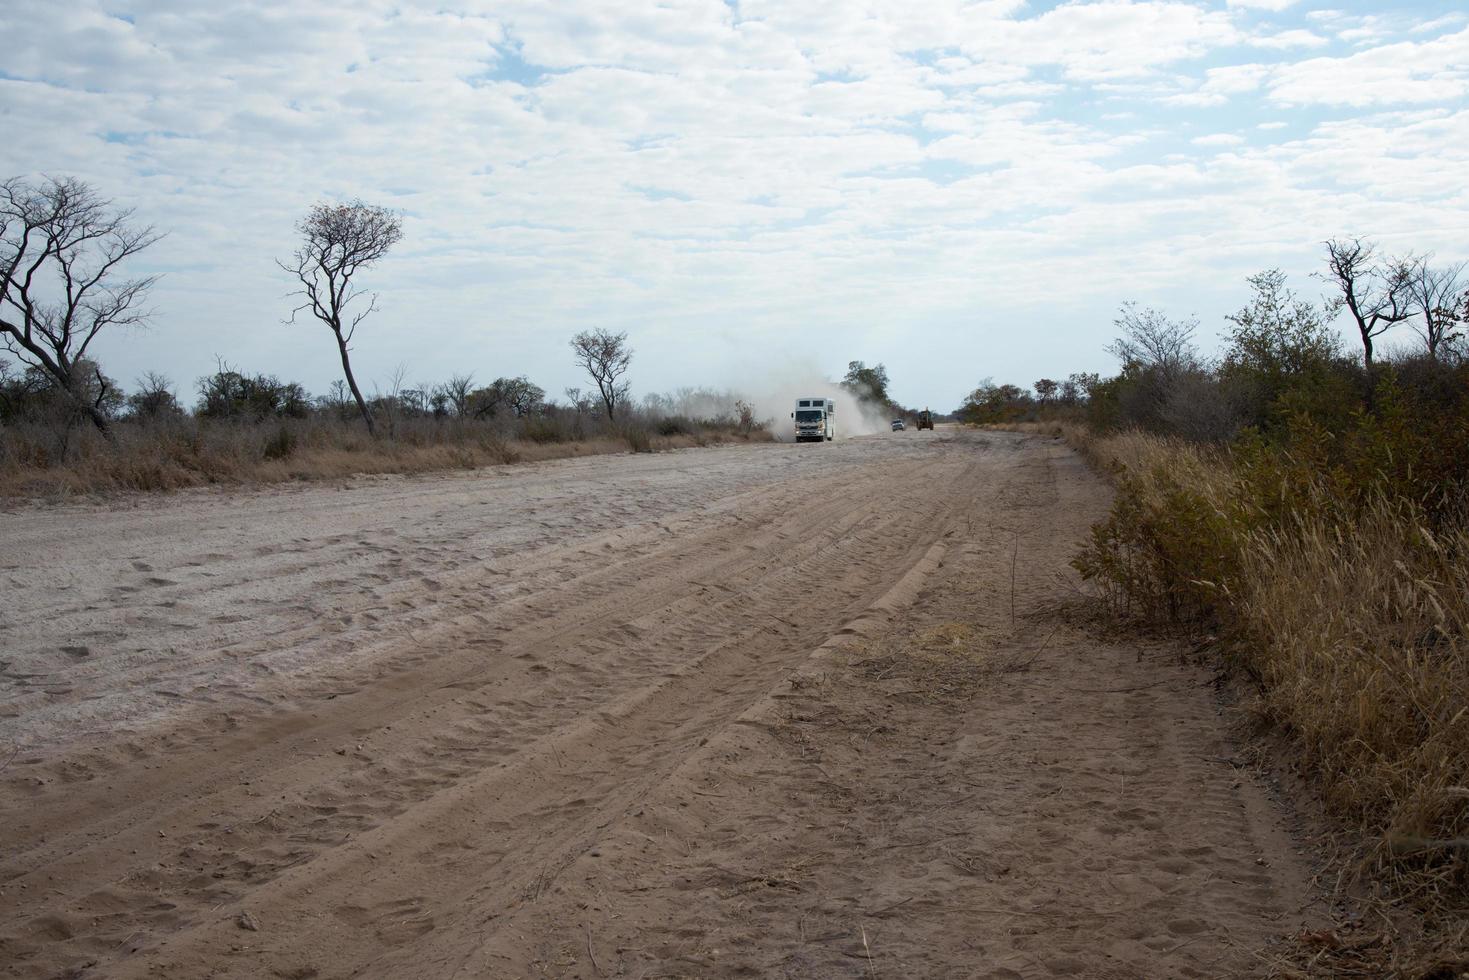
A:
{"x":814,"y":421}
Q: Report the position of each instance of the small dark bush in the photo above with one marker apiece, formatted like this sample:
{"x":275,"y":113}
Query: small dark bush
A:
{"x":281,"y":445}
{"x":545,"y":430}
{"x":638,"y":440}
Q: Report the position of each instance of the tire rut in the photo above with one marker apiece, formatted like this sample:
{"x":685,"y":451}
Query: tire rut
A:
{"x":656,"y":651}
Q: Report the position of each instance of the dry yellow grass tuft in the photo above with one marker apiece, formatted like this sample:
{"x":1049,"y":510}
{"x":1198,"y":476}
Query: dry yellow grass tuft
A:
{"x":1352,"y":618}
{"x":1360,"y":637}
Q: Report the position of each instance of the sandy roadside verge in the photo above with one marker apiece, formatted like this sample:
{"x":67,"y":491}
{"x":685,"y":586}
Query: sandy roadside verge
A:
{"x":955,"y":786}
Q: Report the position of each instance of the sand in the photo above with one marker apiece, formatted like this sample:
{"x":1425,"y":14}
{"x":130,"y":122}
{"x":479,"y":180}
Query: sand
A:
{"x":763,"y":710}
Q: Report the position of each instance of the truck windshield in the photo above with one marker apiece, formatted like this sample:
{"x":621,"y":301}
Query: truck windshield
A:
{"x":808,"y":416}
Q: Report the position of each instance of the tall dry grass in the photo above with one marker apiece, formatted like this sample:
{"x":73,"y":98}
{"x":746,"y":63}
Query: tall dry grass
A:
{"x":45,"y":460}
{"x":1360,"y":637}
{"x":1352,"y":616}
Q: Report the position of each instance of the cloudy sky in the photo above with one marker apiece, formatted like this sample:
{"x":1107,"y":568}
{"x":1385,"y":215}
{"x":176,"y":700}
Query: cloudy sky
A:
{"x":955,"y":189}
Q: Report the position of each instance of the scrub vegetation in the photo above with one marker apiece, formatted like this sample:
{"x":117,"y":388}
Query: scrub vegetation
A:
{"x":1307,"y":512}
{"x":245,"y":428}
{"x":66,"y":427}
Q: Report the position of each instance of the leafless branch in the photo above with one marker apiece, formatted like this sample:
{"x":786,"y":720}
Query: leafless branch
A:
{"x":61,"y":249}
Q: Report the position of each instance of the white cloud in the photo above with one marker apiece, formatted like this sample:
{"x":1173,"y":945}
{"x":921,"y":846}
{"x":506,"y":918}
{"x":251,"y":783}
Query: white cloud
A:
{"x":1283,"y":40}
{"x":1440,"y":23}
{"x":1436,"y":70}
{"x":783,"y":172}
{"x":1108,"y":40}
{"x":1218,"y":139}
{"x":1219,"y":85}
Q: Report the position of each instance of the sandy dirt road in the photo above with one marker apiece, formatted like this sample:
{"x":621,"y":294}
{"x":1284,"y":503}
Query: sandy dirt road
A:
{"x":816,"y":711}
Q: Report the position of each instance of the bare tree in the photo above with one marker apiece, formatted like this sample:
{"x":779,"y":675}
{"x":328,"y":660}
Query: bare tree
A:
{"x":1374,"y":292}
{"x":337,"y":400}
{"x":605,"y":356}
{"x":61,"y":246}
{"x":456,"y":392}
{"x":578,"y":401}
{"x":154,"y":398}
{"x":337,"y":242}
{"x":391,"y":404}
{"x":1149,"y":339}
{"x":1435,"y":293}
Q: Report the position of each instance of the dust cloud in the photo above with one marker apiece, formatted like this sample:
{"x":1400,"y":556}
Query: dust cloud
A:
{"x":774,"y":403}
{"x":772,"y":393}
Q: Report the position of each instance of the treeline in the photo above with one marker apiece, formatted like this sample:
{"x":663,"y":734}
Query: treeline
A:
{"x":1306,"y":509}
{"x":1281,"y":359}
{"x":239,"y":426}
{"x":66,"y":425}
{"x":242,"y":427}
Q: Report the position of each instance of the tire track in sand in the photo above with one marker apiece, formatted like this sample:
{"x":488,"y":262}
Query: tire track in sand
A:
{"x":678,"y":641}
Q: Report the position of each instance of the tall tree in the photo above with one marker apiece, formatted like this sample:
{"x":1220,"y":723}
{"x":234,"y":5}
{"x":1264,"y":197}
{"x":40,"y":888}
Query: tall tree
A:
{"x":870,"y":383}
{"x":1373,"y":291}
{"x":1149,"y":339}
{"x":1277,"y":334}
{"x":605,"y":356}
{"x":1436,"y":294}
{"x":61,"y":248}
{"x":337,"y":242}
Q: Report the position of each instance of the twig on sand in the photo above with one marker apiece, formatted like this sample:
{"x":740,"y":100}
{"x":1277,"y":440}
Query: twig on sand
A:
{"x":1014,"y":557}
{"x":1026,"y":664}
{"x":591,"y":955}
{"x":924,"y":843}
{"x":11,"y":758}
{"x":889,"y":908}
{"x":868,"y":950}
{"x":1117,"y":690}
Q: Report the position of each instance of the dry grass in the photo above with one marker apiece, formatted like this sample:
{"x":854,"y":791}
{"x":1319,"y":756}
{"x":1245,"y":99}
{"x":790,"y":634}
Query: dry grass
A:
{"x":1360,"y":637}
{"x":1075,"y":434}
{"x":47,"y":462}
{"x":1352,"y":620}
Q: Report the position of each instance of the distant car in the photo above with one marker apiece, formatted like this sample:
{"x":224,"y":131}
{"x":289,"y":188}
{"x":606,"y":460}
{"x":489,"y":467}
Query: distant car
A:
{"x":898,"y":425}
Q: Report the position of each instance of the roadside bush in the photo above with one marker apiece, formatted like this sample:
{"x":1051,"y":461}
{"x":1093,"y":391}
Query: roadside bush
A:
{"x":675,"y":425}
{"x":498,"y":449}
{"x":228,"y":394}
{"x":638,"y":440}
{"x":281,"y":445}
{"x":547,"y":430}
{"x":1337,"y":570}
{"x":250,"y":428}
